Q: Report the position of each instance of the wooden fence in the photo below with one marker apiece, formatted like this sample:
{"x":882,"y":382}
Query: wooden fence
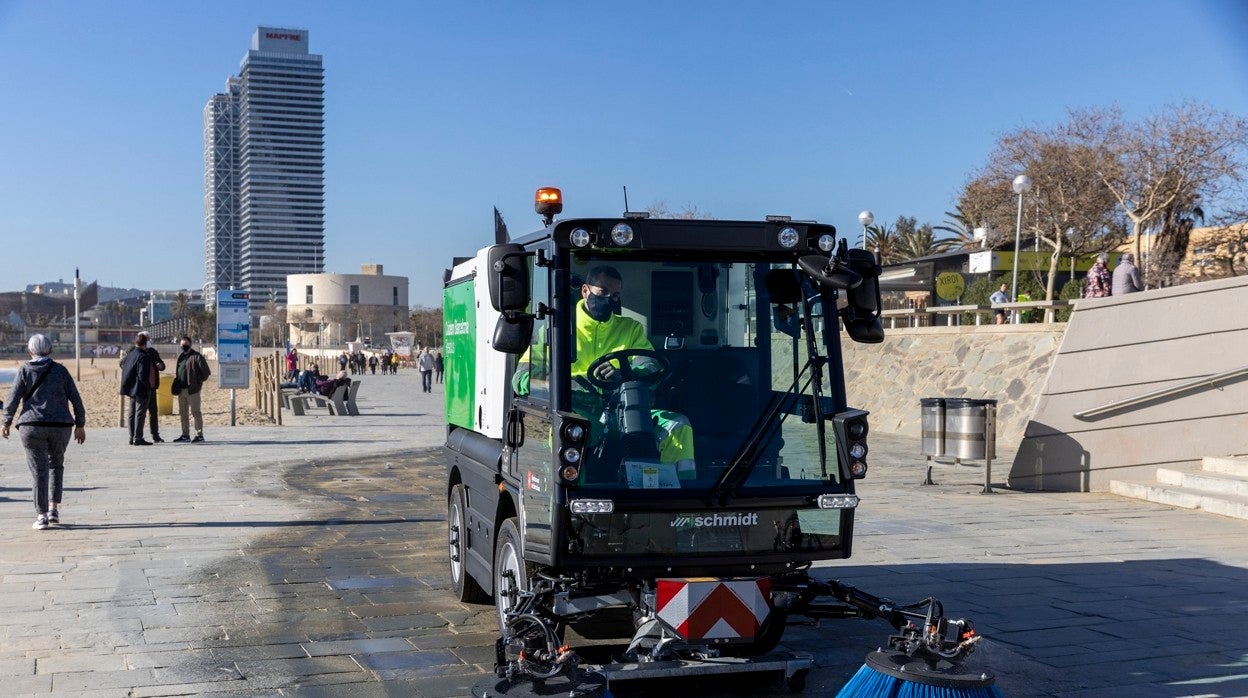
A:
{"x":270,"y":373}
{"x":267,"y":382}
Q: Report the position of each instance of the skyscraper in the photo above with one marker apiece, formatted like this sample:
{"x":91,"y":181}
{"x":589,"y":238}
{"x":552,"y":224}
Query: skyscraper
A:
{"x":264,"y":170}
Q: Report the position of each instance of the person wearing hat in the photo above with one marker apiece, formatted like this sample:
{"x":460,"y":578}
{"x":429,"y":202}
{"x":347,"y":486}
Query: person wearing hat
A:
{"x":136,"y":383}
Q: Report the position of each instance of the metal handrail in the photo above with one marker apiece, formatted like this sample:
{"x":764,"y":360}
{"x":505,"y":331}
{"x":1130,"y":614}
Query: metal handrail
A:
{"x":1211,"y":381}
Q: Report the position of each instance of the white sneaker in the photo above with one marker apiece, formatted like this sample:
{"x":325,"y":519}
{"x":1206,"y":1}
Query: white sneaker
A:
{"x":40,"y":523}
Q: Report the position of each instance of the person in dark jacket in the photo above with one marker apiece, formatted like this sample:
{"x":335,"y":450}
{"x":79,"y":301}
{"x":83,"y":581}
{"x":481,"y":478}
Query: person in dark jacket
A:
{"x":327,"y":386}
{"x":136,"y":384}
{"x":189,"y":376}
{"x":46,"y":392}
{"x":158,"y":365}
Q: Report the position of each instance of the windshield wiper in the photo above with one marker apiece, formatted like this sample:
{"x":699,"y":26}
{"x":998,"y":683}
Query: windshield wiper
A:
{"x":747,"y":455}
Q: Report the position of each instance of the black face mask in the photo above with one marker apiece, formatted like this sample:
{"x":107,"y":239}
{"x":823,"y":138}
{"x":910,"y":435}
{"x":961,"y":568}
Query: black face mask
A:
{"x":599,"y":307}
{"x":186,"y":347}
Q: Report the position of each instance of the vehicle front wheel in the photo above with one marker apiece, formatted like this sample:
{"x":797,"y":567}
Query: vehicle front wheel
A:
{"x":463,"y":586}
{"x":510,"y":573}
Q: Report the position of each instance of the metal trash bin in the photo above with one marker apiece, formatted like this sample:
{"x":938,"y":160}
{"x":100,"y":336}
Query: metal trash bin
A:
{"x":933,"y":426}
{"x":970,"y":428}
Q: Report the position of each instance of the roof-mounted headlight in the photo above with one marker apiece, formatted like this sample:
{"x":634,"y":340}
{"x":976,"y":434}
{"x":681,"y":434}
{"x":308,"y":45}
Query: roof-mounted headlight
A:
{"x":579,"y":238}
{"x":827,"y":242}
{"x":622,"y":234}
{"x":788,"y":237}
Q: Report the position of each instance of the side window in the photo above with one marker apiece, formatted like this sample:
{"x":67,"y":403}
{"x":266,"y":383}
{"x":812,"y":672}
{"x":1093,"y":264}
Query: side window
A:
{"x":539,"y":349}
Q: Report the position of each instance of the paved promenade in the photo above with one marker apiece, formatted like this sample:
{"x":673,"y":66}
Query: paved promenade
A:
{"x":310,"y":560}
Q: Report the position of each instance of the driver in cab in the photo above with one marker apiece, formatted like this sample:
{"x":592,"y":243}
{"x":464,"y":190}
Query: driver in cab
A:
{"x":600,"y":330}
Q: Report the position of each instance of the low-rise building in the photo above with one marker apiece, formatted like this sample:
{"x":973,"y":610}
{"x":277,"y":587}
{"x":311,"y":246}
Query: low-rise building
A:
{"x":328,"y":310}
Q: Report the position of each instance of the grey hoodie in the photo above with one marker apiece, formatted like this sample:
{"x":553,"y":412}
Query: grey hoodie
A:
{"x":49,"y":405}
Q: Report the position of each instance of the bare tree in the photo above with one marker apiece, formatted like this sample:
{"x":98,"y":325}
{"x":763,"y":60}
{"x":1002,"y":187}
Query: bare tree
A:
{"x":335,"y":315}
{"x":659,"y":209}
{"x":426,"y":323}
{"x":1068,"y":210}
{"x":1185,"y":155}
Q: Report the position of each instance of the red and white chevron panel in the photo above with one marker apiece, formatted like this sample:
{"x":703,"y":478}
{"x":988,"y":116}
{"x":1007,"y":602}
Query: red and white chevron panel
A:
{"x":714,"y":609}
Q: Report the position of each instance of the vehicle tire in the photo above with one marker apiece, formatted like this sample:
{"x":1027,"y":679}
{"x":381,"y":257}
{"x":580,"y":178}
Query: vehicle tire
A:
{"x":463,"y":586}
{"x":769,"y":635}
{"x":797,"y":682}
{"x":510,"y":572}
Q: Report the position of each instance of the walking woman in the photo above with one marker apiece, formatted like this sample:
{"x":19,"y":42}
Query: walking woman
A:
{"x":46,"y":391}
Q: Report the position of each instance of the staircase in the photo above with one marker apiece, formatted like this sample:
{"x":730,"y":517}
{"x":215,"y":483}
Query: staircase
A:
{"x":1219,"y":487}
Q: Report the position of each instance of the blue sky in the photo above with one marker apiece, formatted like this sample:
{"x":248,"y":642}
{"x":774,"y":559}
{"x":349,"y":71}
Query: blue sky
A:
{"x":436,"y":112}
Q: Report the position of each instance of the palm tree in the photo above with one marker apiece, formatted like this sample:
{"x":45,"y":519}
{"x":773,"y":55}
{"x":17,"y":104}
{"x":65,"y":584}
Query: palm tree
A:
{"x":920,"y":242}
{"x":181,"y":306}
{"x":961,"y":227}
{"x":1171,"y":240}
{"x":882,"y":238}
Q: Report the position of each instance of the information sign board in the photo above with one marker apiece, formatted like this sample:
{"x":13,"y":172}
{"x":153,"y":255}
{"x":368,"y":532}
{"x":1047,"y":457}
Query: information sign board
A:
{"x":233,"y":339}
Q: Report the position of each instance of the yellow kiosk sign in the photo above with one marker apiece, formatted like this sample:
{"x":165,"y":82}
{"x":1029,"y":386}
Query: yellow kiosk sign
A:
{"x":950,"y":285}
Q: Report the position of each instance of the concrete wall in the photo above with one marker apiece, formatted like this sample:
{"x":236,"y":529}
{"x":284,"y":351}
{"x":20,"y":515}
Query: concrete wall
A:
{"x":1007,"y":363}
{"x":1117,"y":348}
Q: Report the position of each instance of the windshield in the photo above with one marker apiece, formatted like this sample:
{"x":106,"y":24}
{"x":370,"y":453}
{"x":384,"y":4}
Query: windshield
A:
{"x":677,"y":364}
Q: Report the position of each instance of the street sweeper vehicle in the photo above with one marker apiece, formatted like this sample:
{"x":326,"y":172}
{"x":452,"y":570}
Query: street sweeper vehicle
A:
{"x":647,"y":421}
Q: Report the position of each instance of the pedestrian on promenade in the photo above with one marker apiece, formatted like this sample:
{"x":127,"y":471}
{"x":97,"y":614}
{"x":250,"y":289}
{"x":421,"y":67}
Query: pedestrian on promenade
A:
{"x":46,"y":392}
{"x":438,"y":366}
{"x":1126,"y":276}
{"x":136,"y":377}
{"x":372,"y":364}
{"x":426,"y":371}
{"x":999,"y":297}
{"x":394,"y":364}
{"x":292,"y":364}
{"x":152,"y":407}
{"x":1098,"y":284}
{"x":188,"y":378}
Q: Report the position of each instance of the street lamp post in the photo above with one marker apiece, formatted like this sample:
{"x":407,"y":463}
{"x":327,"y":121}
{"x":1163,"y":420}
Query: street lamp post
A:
{"x":866,"y":218}
{"x":1021,"y":184}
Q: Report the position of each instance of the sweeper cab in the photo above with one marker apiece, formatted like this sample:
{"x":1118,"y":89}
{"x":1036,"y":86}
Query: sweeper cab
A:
{"x":647,"y":432}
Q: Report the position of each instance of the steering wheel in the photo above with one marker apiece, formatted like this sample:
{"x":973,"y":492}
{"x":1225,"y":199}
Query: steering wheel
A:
{"x":625,"y":372}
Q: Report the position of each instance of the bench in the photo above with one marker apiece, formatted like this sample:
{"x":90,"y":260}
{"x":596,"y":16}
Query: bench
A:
{"x":352,"y":390}
{"x":335,"y":403}
{"x":287,"y":394}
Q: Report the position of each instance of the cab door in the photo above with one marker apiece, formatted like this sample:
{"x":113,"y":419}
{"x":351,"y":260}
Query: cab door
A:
{"x":534,"y":456}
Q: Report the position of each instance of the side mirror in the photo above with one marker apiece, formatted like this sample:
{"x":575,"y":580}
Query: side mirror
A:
{"x":830,"y":271}
{"x":508,"y":277}
{"x":513,"y":335}
{"x":862,"y":312}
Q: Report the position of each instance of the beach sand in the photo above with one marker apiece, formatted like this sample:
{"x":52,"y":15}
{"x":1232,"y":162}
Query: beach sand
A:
{"x":99,"y":385}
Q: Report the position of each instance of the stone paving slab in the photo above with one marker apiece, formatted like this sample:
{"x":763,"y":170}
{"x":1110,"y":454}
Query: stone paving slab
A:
{"x":309,"y":560}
